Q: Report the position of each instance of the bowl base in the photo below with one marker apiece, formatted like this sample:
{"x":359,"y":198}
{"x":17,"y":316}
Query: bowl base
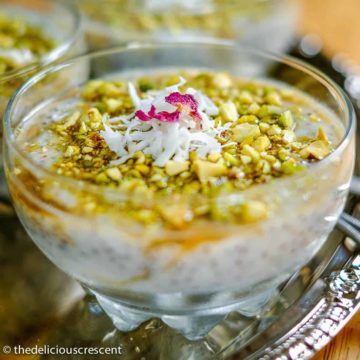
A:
{"x":192,"y":324}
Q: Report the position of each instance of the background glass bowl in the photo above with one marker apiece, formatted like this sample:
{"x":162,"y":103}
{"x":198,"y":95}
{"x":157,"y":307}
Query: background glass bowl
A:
{"x":268,"y":24}
{"x":242,"y":269}
{"x":61,"y":22}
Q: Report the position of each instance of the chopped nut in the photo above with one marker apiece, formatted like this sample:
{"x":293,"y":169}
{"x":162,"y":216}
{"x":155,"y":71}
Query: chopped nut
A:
{"x":290,"y":166}
{"x":71,"y":150}
{"x":205,"y":169}
{"x":264,"y":127}
{"x":273,"y":98}
{"x":250,"y":151}
{"x":87,"y":150}
{"x":222,"y":80}
{"x":318,"y":149}
{"x":214,"y":157}
{"x":245,"y":97}
{"x":254,"y":108}
{"x":114,"y":174}
{"x":94,"y":115}
{"x":243,"y":131}
{"x":248,"y":119}
{"x":228,"y":111}
{"x":288,"y":136}
{"x":262,"y":143}
{"x":231,"y":159}
{"x":113,"y":105}
{"x":245,"y":159}
{"x":267,"y":110}
{"x":72,"y":119}
{"x":173,"y":167}
{"x":142,"y":168}
{"x":286,"y":120}
{"x":274,"y":130}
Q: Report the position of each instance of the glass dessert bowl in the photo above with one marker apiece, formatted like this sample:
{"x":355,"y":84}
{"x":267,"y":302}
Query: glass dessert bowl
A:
{"x":257,"y":23}
{"x":172,"y":189}
{"x":32,"y":35}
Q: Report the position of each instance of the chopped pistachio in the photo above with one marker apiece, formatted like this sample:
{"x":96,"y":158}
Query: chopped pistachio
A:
{"x":228,"y":111}
{"x":283,"y":154}
{"x":72,"y":119}
{"x":101,"y":178}
{"x":205,"y":169}
{"x":231,"y":159}
{"x":250,"y":151}
{"x":264,"y":127}
{"x":318,"y":149}
{"x":113,"y":105}
{"x":255,"y":148}
{"x":267,"y":110}
{"x":87,"y":150}
{"x":290,"y":166}
{"x":248,"y":119}
{"x":245,"y":97}
{"x":214,"y":157}
{"x":288,"y":136}
{"x":245,"y":159}
{"x":71,"y":150}
{"x":286,"y":120}
{"x":274,"y":130}
{"x":114,"y":174}
{"x":174,"y":167}
{"x":142,"y":168}
{"x":222,"y":80}
{"x":262,"y":143}
{"x":273,"y":98}
{"x":243,"y":131}
{"x":94,"y":115}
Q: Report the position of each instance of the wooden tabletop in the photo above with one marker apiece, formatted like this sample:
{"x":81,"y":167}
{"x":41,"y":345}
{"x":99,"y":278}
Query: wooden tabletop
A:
{"x":337,"y":23}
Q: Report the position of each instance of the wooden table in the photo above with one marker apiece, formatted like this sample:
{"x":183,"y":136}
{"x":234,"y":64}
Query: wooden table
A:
{"x":338,"y":25}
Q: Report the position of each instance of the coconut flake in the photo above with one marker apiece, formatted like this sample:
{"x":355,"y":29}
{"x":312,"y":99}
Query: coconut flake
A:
{"x":167,"y":125}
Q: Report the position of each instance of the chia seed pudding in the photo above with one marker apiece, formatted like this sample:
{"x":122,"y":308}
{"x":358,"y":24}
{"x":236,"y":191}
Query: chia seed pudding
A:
{"x":185,"y":181}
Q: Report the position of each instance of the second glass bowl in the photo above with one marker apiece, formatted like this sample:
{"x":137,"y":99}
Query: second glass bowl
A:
{"x":61,"y":23}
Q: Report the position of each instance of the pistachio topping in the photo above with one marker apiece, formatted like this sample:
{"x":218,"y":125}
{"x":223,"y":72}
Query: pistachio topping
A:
{"x":189,"y":133}
{"x":21,"y":43}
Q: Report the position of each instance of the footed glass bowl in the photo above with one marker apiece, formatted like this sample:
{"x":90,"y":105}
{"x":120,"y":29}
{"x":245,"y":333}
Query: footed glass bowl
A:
{"x":233,"y":267}
{"x":60,"y":23}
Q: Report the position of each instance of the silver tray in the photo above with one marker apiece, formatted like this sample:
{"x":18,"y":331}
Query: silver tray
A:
{"x":41,"y":305}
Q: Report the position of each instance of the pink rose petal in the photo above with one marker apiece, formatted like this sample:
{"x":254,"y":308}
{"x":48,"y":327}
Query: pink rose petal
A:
{"x":142,"y":116}
{"x":163,"y":116}
{"x":185,"y":102}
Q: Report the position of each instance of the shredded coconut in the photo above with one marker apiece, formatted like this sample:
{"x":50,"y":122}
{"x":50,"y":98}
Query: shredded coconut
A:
{"x":166,"y":125}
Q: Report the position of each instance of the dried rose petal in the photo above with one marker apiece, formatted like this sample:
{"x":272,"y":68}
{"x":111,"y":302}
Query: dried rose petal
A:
{"x":185,"y":102}
{"x":142,"y":116}
{"x":163,"y":116}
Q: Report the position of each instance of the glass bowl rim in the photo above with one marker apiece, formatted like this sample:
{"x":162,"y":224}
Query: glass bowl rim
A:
{"x":58,"y":51}
{"x":334,"y":89}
